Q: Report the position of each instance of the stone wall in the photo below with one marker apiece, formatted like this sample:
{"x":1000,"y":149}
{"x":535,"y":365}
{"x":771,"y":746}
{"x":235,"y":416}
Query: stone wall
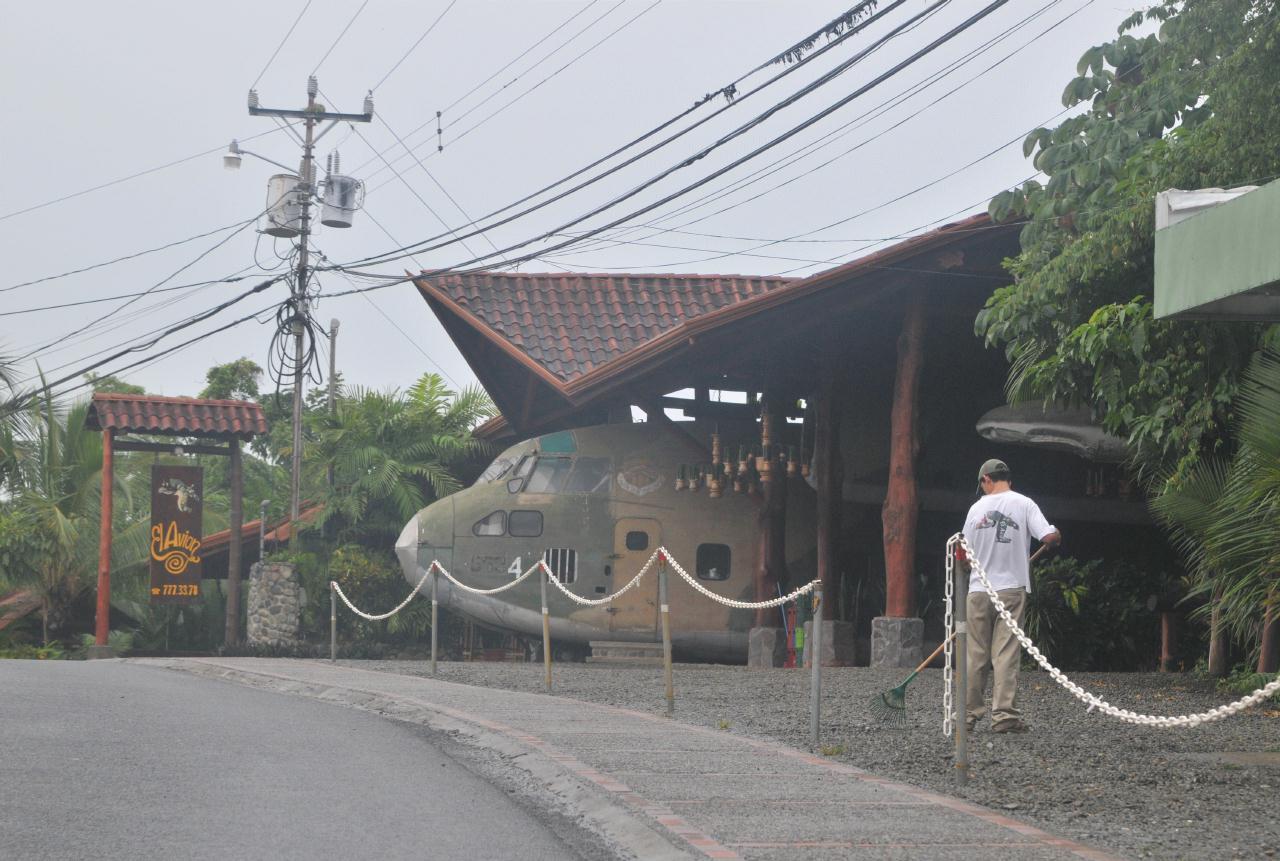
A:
{"x":275,"y":604}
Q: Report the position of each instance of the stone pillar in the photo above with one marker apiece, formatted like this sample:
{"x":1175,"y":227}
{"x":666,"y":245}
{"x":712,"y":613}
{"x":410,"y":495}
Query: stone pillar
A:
{"x":838,"y":644}
{"x":275,"y":605}
{"x":896,"y":642}
{"x":766,"y":648}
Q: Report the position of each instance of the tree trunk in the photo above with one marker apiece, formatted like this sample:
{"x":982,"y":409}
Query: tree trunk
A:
{"x":1219,"y":642}
{"x":1269,"y":653}
{"x":1168,"y":641}
{"x":901,"y":505}
{"x":828,"y":472}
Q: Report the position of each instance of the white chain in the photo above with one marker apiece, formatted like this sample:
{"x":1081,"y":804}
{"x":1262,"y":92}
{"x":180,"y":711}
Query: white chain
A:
{"x":474,"y":591}
{"x":334,"y":585}
{"x":1094,"y":700}
{"x":596,"y":602}
{"x":729,"y":602}
{"x":949,"y":621}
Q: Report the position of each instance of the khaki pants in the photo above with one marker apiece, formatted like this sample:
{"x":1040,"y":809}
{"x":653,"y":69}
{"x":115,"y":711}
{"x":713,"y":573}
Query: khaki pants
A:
{"x":993,"y":650}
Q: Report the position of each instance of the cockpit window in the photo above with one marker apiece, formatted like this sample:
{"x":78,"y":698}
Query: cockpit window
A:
{"x":549,"y":475}
{"x":590,"y":475}
{"x":516,"y":482}
{"x":494,"y":523}
{"x":500,"y":467}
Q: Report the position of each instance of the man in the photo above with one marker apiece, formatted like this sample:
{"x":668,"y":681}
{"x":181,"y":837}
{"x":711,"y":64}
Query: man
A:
{"x":999,"y":529}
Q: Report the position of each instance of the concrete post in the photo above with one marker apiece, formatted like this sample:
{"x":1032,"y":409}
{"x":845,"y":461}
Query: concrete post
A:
{"x":666,"y":636}
{"x":815,"y":673}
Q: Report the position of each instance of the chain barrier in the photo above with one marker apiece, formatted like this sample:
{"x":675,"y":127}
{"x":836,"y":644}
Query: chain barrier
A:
{"x":597,"y":602}
{"x":730,"y":602}
{"x":474,"y":591}
{"x":949,"y":622}
{"x":333,"y":584}
{"x":1094,"y":700}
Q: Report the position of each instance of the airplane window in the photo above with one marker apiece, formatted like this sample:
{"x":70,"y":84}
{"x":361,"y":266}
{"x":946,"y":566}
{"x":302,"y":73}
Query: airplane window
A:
{"x":637,"y":540}
{"x":491,"y":524}
{"x":563,"y":562}
{"x":526,"y":524}
{"x":496,"y":470}
{"x":549,"y":475}
{"x":713,"y":561}
{"x":590,"y":475}
{"x":522,"y":470}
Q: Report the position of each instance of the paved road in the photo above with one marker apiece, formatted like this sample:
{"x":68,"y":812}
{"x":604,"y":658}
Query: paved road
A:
{"x":110,"y":760}
{"x":660,"y":788}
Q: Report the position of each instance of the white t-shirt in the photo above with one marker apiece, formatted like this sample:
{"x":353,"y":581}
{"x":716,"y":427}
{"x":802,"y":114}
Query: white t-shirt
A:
{"x":999,"y":528}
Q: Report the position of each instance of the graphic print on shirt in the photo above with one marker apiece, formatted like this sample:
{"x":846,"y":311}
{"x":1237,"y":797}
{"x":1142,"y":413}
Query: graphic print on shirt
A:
{"x":1002,"y":523}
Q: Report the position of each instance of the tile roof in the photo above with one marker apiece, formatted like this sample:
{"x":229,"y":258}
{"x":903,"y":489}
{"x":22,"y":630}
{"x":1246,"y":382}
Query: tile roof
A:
{"x":572,"y":323}
{"x":175,"y":416}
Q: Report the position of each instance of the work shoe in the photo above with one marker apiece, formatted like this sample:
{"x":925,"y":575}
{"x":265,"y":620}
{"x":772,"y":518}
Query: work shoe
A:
{"x":1010,"y":725}
{"x":970,"y":723}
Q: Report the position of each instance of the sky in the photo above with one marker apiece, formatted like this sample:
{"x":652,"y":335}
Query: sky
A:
{"x":117,"y":116}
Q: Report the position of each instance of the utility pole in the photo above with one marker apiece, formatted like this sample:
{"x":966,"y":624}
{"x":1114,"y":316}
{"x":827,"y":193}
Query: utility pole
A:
{"x":304,"y":189}
{"x":333,"y":378}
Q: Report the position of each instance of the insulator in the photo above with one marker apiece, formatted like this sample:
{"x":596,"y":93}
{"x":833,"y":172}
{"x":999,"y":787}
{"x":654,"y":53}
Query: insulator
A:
{"x":368,"y":103}
{"x":313,"y":86}
{"x":253,"y":99}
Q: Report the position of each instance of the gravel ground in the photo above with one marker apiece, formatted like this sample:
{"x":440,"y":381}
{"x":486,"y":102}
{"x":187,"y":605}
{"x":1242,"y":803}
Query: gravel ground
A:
{"x":1209,"y":792}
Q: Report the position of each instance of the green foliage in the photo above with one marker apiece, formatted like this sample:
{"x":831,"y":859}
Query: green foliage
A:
{"x":111,"y":384}
{"x":1244,"y":680}
{"x":236,"y":381}
{"x":1224,"y":513}
{"x":1179,"y":109}
{"x":1094,"y":615}
{"x":28,"y":652}
{"x":373,"y":582}
{"x":120,"y":643}
{"x":391,"y":454}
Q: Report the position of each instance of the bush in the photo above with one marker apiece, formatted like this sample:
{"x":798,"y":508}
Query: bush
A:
{"x":1094,"y":615}
{"x":1244,"y":680}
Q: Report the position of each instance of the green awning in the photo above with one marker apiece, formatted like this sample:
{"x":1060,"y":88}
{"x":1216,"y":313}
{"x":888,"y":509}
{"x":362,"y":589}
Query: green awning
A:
{"x":1223,"y":263}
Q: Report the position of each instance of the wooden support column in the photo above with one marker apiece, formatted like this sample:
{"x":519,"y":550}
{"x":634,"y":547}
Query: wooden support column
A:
{"x":1168,"y":641}
{"x":901,"y":505}
{"x":102,"y":618}
{"x":828,"y":475}
{"x":236,"y":478}
{"x":771,"y":552}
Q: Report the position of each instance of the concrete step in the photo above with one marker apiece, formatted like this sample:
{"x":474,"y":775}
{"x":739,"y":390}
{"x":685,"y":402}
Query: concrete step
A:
{"x":618,"y":652}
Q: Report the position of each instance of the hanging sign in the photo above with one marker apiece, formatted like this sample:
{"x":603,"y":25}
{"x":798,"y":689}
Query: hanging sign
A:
{"x":177,"y":506}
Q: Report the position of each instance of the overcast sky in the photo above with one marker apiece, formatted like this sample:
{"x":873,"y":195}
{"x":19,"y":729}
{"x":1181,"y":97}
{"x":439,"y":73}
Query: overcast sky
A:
{"x":96,"y":92}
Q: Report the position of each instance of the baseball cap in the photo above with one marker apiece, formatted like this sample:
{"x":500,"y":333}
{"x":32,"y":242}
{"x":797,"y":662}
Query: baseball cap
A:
{"x":993,"y":465}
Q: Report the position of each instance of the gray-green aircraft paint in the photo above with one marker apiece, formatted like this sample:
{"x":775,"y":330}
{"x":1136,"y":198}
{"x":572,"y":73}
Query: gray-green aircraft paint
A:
{"x":596,"y":503}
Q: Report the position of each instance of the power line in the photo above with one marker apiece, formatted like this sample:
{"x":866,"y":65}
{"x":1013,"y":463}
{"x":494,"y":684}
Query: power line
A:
{"x":790,"y":69}
{"x":272,"y":58}
{"x":118,"y":296}
{"x":159,"y":284}
{"x":169,"y":331}
{"x":133,"y":256}
{"x":520,"y":57}
{"x":339,"y":38}
{"x":839,"y":132}
{"x":140,"y":173}
{"x":824,"y":79}
{"x":415,"y":45}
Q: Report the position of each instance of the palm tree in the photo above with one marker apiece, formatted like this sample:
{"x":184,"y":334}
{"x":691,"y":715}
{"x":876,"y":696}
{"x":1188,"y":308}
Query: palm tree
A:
{"x":1225,"y":514}
{"x":392,"y":453}
{"x":57,"y":504}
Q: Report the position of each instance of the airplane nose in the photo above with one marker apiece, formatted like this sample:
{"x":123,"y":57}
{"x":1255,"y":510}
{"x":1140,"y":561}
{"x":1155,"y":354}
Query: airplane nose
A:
{"x":428,"y":536}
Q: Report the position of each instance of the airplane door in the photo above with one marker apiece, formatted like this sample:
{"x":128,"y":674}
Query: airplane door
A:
{"x":634,"y":541}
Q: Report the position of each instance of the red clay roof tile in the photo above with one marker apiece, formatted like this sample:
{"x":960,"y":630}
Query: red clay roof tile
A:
{"x":572,"y":323}
{"x":175,"y":416}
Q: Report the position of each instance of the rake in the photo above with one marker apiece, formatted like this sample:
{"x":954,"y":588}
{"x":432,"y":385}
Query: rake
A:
{"x":891,"y":706}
